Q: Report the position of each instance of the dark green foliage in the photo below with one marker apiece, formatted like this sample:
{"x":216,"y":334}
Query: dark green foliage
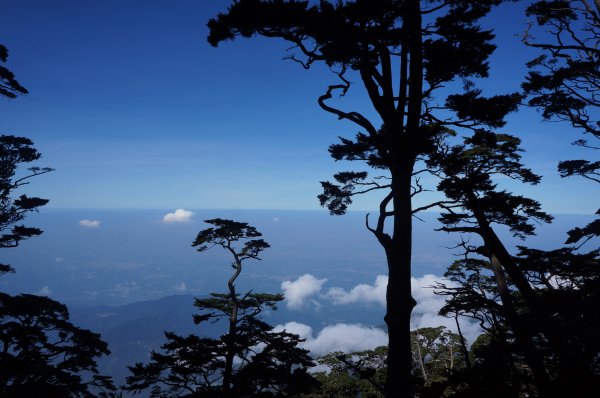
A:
{"x":9,"y":86}
{"x":468,"y":173}
{"x":358,"y":374}
{"x":43,"y":354}
{"x":268,"y":363}
{"x":586,"y":233}
{"x":225,"y":232}
{"x":583,"y":168}
{"x":437,"y":355}
{"x":15,"y":151}
{"x":472,"y":108}
{"x":563,"y":82}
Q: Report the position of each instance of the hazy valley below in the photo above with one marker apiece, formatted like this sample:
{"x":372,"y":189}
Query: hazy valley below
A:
{"x":131,"y":275}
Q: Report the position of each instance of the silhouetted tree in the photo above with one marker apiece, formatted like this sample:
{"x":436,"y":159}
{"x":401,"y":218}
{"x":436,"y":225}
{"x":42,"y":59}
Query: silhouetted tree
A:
{"x":403,"y":51}
{"x":564,"y":81}
{"x":15,"y":151}
{"x":250,"y":359}
{"x":42,"y":354}
{"x":468,"y":172}
{"x":9,"y":86}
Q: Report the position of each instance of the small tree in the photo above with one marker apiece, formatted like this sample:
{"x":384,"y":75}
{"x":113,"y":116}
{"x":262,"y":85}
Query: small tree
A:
{"x":250,"y":359}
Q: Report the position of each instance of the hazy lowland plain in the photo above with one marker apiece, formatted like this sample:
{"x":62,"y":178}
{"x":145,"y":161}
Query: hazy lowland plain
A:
{"x":130,"y":275}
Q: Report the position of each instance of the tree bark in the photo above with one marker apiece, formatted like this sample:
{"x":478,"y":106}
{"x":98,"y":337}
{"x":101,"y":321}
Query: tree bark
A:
{"x":400,"y":302}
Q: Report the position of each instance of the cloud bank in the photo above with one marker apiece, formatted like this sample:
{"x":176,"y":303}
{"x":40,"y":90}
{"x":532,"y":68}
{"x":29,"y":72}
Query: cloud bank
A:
{"x":178,"y":216}
{"x":360,"y":293}
{"x":90,"y":223}
{"x":298,"y":292}
{"x":340,"y":337}
{"x":308,"y":289}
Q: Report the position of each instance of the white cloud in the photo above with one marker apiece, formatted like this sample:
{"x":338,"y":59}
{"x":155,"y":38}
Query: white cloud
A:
{"x":339,"y":337}
{"x":360,"y":293}
{"x":181,"y":287}
{"x":90,"y":223}
{"x":44,"y":291}
{"x":425,"y":314}
{"x":179,"y":215}
{"x":299,"y":291}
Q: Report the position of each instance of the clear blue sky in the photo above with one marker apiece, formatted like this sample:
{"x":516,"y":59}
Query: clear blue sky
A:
{"x":134,"y":109}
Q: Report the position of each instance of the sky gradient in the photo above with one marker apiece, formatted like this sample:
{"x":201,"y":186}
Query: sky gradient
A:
{"x":134,"y":109}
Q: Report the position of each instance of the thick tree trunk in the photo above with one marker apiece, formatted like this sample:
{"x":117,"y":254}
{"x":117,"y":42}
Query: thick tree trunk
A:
{"x":400,"y":302}
{"x":399,"y":299}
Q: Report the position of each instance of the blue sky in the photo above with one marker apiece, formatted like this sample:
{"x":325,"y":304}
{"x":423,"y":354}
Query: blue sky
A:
{"x":134,"y":109}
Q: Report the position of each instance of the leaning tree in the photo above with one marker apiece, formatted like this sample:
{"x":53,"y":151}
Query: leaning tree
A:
{"x":406,"y":53}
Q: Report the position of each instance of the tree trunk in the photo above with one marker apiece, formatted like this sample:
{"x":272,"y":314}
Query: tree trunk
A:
{"x":501,"y":261}
{"x":231,"y":336}
{"x":398,"y":296}
{"x":400,"y":302}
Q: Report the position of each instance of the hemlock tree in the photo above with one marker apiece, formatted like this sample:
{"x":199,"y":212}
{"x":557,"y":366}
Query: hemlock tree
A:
{"x":404,"y":52}
{"x":469,"y":172}
{"x":520,"y":297}
{"x":250,"y":359}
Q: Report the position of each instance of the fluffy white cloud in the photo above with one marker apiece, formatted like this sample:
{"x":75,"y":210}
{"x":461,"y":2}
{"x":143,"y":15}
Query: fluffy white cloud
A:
{"x":339,"y":337}
{"x":179,"y":215}
{"x":181,"y":287}
{"x":44,"y":291}
{"x":425,"y":314}
{"x":298,"y":292}
{"x":90,"y":223}
{"x":303,"y":290}
{"x":360,"y":293}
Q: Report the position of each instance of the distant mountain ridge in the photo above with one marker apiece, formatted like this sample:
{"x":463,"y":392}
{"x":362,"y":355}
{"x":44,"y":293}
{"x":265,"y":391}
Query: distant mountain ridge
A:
{"x":133,"y":330}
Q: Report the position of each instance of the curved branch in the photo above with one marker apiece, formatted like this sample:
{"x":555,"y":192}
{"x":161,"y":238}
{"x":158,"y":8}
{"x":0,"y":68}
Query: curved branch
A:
{"x":354,"y":117}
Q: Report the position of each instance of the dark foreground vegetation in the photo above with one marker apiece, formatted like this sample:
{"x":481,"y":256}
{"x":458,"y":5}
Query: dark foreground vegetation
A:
{"x":538,"y":309}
